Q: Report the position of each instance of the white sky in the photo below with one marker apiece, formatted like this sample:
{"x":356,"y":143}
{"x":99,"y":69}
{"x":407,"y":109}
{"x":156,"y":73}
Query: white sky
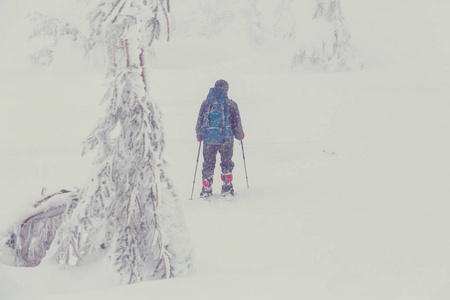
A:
{"x":9,"y":12}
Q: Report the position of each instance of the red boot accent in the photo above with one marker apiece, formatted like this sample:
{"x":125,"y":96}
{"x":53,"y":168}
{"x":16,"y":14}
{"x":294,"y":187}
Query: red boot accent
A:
{"x":227,"y":178}
{"x":206,"y":184}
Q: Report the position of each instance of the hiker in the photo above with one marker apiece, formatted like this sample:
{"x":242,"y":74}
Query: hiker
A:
{"x":218,"y":123}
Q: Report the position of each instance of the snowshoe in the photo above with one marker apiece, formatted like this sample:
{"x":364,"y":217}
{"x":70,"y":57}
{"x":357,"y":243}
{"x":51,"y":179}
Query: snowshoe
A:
{"x":205,"y":194}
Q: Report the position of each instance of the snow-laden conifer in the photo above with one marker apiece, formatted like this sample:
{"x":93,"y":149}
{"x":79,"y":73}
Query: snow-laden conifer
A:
{"x":330,"y":49}
{"x":128,"y":209}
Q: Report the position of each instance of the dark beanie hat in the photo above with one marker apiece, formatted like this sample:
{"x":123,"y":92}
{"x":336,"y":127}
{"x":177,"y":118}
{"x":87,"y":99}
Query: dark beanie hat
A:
{"x":222,"y":84}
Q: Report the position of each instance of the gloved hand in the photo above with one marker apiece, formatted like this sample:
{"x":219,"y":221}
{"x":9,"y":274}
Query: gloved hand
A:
{"x":243,"y":135}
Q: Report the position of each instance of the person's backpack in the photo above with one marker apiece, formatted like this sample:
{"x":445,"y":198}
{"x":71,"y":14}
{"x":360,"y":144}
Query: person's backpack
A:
{"x":216,"y":127}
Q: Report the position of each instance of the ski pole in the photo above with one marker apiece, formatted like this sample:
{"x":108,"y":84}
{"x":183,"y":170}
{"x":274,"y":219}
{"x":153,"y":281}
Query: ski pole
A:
{"x":245,"y":167}
{"x":196,"y":165}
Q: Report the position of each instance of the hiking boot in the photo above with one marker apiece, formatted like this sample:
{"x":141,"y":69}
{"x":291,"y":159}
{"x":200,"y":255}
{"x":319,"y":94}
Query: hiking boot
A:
{"x":206,"y":188}
{"x":227,"y":187}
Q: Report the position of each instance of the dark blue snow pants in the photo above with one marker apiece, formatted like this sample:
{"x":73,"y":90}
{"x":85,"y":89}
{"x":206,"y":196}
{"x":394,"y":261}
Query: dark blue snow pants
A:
{"x":209,"y":159}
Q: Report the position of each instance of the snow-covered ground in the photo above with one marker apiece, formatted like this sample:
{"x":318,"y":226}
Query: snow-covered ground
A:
{"x":348,"y":172}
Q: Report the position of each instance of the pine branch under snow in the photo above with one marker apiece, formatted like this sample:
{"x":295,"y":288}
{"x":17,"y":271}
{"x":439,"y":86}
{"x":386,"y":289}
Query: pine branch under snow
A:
{"x":55,"y":29}
{"x":31,"y":238}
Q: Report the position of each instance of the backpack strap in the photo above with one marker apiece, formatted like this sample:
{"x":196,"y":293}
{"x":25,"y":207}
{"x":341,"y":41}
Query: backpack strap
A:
{"x":206,"y":115}
{"x":223,"y":114}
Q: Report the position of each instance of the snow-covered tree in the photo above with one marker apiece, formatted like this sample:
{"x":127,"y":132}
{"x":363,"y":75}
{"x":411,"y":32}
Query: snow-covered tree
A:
{"x":129,"y":208}
{"x":330,"y":48}
{"x":309,"y":34}
{"x":284,"y":20}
